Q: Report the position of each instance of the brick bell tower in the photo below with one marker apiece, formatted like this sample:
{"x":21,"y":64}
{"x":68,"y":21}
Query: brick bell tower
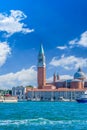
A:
{"x":41,"y":74}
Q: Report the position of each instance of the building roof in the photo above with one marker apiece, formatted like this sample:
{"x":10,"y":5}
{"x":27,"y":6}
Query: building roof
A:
{"x":64,"y":80}
{"x":76,"y":80}
{"x":56,"y":90}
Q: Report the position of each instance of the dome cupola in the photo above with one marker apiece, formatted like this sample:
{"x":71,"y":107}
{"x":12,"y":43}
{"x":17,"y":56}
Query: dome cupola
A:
{"x":79,"y":74}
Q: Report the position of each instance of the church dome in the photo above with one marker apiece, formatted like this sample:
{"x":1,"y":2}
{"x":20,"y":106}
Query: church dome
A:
{"x":79,"y":74}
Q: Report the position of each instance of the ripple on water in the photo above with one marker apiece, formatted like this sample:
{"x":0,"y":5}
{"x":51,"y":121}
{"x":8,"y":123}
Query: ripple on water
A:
{"x":43,"y":116}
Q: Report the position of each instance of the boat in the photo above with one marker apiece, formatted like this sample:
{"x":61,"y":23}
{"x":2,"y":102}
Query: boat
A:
{"x":8,"y":99}
{"x":83,"y":98}
{"x":62,"y":99}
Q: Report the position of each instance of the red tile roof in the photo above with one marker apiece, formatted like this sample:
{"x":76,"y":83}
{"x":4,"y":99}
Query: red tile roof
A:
{"x":55,"y":90}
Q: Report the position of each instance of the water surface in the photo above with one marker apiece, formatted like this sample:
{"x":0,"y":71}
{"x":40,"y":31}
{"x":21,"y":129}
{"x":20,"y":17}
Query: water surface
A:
{"x":43,"y":116}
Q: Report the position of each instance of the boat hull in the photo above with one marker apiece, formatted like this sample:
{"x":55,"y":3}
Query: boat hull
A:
{"x":81,"y":100}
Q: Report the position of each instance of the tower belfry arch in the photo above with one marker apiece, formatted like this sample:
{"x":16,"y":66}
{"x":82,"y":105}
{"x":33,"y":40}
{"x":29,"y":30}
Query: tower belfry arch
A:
{"x":41,"y":68}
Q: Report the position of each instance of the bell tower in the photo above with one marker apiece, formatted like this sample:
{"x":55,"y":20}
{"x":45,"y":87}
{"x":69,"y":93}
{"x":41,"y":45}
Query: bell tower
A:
{"x":41,"y":74}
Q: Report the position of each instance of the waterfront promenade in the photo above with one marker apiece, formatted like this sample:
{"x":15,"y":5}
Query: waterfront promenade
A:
{"x":54,"y":94}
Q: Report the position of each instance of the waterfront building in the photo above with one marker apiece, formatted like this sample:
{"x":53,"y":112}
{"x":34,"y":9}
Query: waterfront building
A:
{"x":19,"y":92}
{"x":53,"y":94}
{"x":78,"y":82}
{"x":70,"y":89}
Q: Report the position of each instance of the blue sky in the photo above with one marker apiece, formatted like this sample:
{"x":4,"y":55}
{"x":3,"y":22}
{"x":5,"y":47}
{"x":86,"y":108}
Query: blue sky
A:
{"x":61,"y":26}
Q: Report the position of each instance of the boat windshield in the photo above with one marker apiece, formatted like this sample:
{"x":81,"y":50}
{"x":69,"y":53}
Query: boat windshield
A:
{"x":85,"y":92}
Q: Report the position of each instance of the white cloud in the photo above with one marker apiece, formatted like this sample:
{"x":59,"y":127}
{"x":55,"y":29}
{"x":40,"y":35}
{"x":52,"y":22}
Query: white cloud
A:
{"x":23,"y":77}
{"x":69,"y":62}
{"x":82,"y":41}
{"x":5,"y":51}
{"x":62,"y":47}
{"x":66,"y":77}
{"x":50,"y":79}
{"x":12,"y":23}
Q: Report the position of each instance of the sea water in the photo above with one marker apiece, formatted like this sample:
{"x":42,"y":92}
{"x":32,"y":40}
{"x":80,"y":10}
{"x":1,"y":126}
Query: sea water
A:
{"x":43,"y":116}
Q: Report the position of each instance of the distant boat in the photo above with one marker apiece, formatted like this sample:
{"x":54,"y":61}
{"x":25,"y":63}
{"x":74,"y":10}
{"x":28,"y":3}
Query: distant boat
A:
{"x":8,"y":99}
{"x":62,"y":99}
{"x":83,"y":98}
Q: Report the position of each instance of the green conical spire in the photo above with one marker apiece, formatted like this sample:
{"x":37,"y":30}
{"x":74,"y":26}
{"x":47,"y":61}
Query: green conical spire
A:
{"x":41,"y":50}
